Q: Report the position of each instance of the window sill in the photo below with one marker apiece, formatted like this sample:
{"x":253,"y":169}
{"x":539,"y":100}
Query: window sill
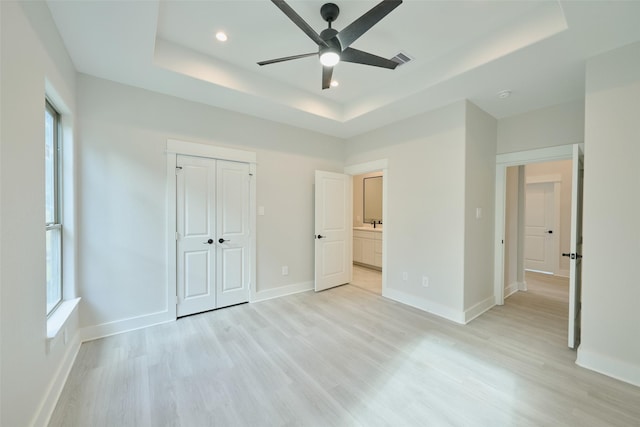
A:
{"x":56,"y":322}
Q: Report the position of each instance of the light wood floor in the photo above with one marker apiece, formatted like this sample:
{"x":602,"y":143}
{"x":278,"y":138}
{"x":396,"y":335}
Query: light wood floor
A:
{"x":549,"y":286}
{"x":344,"y":357}
{"x":367,"y":279}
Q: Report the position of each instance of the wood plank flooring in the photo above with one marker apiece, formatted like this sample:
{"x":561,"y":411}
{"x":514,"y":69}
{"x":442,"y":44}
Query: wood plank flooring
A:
{"x":344,"y":357}
{"x":367,"y":279}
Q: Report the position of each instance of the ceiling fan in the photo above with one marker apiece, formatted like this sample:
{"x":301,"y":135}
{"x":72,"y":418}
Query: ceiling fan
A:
{"x":333,"y":46}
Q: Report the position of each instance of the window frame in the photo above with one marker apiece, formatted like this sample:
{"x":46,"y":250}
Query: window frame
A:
{"x":55,"y":226}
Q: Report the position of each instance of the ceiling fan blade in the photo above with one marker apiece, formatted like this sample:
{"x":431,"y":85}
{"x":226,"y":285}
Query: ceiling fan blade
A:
{"x":327,"y":72}
{"x":353,"y":31}
{"x":359,"y":57}
{"x":297,"y":19}
{"x":287,"y":58}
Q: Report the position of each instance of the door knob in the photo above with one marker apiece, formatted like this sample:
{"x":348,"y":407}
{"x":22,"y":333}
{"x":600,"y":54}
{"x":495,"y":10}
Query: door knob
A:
{"x":550,"y":231}
{"x":572,"y":255}
{"x":320,"y":236}
{"x":221,"y":240}
{"x":208,"y":242}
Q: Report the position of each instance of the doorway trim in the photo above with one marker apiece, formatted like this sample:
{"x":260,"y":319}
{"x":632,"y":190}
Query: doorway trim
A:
{"x":503,"y":161}
{"x":174,"y":148}
{"x":375,"y":166}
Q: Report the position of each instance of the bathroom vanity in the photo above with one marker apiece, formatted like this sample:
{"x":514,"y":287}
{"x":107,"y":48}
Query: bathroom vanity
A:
{"x":367,"y":247}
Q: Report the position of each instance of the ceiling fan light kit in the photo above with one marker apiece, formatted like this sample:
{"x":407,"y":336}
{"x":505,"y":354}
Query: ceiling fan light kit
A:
{"x":333,"y":46}
{"x":329,"y":58}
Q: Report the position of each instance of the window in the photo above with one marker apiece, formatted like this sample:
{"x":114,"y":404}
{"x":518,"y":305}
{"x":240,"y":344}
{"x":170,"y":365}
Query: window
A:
{"x":53,"y":224}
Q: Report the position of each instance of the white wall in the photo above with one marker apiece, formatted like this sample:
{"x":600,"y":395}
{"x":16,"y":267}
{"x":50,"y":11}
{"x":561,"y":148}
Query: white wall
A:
{"x":547,"y":127}
{"x":34,"y":64}
{"x":610,"y":333}
{"x":561,"y":124}
{"x":425,"y":207}
{"x":441,"y":166}
{"x":122,"y":184}
{"x":480,"y":172}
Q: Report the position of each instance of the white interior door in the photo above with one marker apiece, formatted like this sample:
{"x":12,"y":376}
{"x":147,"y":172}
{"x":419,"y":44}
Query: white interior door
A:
{"x":213,"y":241}
{"x":539,"y":233}
{"x":333,"y":229}
{"x":233,"y":238}
{"x":575,"y":264}
{"x":196,"y":249}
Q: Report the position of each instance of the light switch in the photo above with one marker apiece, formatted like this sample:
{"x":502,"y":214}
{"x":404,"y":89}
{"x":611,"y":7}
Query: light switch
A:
{"x":260,"y":210}
{"x":478,"y":213}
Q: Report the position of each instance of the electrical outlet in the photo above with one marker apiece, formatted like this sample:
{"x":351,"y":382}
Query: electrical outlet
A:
{"x":405,"y":276}
{"x":425,"y":282}
{"x":285,"y":270}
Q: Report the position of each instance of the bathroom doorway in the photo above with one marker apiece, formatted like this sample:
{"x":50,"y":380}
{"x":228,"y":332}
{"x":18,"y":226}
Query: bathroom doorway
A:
{"x":370,"y":184}
{"x":368,"y":226}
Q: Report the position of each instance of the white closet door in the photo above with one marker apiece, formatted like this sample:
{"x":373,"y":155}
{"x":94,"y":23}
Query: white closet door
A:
{"x":540,"y":233}
{"x":196,"y":248}
{"x":233,"y":234}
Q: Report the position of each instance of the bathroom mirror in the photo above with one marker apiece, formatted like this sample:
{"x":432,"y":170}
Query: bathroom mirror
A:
{"x":372,"y":197}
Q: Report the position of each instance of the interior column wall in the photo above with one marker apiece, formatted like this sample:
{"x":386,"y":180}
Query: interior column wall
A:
{"x":425,"y":207}
{"x":479,"y":212}
{"x":610,"y":291}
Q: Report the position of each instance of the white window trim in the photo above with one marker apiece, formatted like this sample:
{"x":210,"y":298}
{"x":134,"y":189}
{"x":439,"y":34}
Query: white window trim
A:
{"x":59,"y":316}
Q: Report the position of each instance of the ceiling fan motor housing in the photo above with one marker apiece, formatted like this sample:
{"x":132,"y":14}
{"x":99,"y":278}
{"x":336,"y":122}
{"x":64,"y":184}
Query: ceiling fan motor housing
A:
{"x":329,"y":12}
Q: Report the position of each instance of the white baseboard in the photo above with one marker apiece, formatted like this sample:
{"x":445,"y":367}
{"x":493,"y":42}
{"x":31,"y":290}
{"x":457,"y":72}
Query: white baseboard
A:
{"x":478,"y":309}
{"x":609,"y":366}
{"x":90,"y":333}
{"x":511,"y":289}
{"x":425,"y":305}
{"x":282,"y":291}
{"x":48,"y":404}
{"x":522,"y":286}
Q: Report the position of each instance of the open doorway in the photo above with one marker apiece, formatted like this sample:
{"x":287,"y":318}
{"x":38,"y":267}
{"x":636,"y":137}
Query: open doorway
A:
{"x":370,"y":225}
{"x":368,"y":231}
{"x":530,"y":248}
{"x":547,"y":230}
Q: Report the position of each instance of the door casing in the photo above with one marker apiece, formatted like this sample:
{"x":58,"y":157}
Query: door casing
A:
{"x":174,"y":148}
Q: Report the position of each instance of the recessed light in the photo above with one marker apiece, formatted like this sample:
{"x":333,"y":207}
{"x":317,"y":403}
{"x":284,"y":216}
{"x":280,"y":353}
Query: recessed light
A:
{"x":504,"y":94}
{"x":334,"y":83}
{"x":221,"y":36}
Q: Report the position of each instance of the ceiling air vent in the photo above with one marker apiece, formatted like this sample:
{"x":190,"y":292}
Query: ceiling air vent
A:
{"x":401,"y":58}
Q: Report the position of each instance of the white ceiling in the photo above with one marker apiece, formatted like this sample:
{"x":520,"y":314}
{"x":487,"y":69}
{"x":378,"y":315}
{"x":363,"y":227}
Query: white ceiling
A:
{"x":460,"y":49}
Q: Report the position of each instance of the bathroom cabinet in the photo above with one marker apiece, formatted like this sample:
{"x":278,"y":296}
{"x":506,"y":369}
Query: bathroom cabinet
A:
{"x":367,"y":247}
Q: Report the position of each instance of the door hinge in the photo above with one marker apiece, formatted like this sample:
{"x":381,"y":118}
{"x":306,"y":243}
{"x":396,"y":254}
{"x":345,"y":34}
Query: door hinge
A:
{"x":177,"y":236}
{"x":176,"y":300}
